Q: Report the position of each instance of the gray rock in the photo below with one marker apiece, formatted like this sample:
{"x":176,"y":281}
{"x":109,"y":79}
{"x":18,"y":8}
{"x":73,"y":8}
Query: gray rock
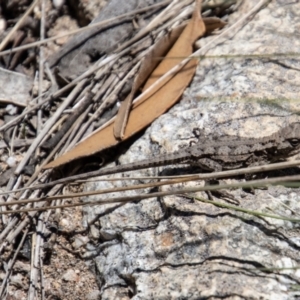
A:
{"x":94,"y":295}
{"x":15,"y":89}
{"x":175,"y":248}
{"x":80,"y":241}
{"x":70,"y":275}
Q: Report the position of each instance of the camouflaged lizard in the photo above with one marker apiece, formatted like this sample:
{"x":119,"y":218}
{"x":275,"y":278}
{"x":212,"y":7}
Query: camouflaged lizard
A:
{"x":215,"y":154}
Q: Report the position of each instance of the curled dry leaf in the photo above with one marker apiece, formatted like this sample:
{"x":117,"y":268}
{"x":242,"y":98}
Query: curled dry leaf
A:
{"x":149,"y":63}
{"x":156,"y":100}
{"x":213,"y":23}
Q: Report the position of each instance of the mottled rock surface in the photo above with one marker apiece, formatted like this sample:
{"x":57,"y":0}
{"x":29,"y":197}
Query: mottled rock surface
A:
{"x":176,"y":248}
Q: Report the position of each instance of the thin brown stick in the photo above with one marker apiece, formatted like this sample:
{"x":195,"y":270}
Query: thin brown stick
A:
{"x":110,"y":22}
{"x":61,"y":91}
{"x":147,"y":185}
{"x":15,"y":28}
{"x":47,"y":126}
{"x":50,"y":144}
{"x":41,"y":65}
{"x":201,"y":176}
{"x":10,"y":265}
{"x":76,"y":131}
{"x":285,"y":181}
{"x":36,"y":258}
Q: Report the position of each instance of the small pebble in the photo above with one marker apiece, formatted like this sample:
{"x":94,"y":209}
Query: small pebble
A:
{"x":70,"y":275}
{"x":80,"y":241}
{"x":11,"y":109}
{"x":11,"y":161}
{"x":58,"y":3}
{"x":94,"y":295}
{"x":2,"y":25}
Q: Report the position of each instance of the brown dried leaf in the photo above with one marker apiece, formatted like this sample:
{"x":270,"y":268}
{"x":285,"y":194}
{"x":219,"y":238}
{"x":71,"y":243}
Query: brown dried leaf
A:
{"x":153,"y":103}
{"x":212,"y":23}
{"x":148,"y":64}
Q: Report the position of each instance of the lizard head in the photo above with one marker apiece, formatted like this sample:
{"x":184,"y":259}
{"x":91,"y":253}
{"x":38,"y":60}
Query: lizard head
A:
{"x":290,"y":139}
